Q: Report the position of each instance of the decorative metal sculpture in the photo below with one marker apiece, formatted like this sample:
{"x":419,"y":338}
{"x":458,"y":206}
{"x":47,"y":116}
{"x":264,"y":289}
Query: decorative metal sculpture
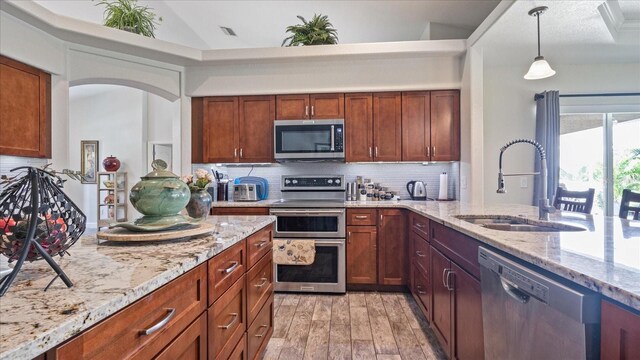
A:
{"x":37,"y":221}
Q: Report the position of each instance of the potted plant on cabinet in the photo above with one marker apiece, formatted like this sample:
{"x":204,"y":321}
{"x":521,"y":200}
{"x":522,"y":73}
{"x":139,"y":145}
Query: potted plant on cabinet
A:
{"x":129,"y":16}
{"x":317,"y":31}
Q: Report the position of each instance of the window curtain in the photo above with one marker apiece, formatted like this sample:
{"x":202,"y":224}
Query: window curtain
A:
{"x":548,"y":135}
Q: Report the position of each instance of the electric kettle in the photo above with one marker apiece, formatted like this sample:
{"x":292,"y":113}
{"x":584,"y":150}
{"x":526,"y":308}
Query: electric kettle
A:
{"x":417,"y":190}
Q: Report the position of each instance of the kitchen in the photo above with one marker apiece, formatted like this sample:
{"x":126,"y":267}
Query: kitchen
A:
{"x":484,"y":74}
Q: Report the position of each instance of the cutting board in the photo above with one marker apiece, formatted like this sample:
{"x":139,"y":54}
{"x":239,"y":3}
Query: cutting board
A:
{"x":120,"y":234}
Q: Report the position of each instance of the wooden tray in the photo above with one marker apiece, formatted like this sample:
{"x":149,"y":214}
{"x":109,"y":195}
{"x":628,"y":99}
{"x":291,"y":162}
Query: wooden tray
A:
{"x":120,"y":234}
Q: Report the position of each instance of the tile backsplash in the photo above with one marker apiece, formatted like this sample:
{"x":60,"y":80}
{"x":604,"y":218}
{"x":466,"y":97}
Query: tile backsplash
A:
{"x":393,"y":175}
{"x":9,"y":162}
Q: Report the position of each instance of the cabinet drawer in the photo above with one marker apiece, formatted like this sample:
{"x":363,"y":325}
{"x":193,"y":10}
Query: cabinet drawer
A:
{"x":227,"y":321}
{"x":259,"y":244}
{"x":190,"y":345}
{"x":365,"y":217}
{"x":460,"y":248}
{"x":225,"y":269}
{"x":421,"y":290}
{"x":121,"y":335}
{"x":420,"y":252}
{"x":419,"y":224}
{"x":260,"y":331}
{"x":240,"y":352}
{"x":259,"y":286}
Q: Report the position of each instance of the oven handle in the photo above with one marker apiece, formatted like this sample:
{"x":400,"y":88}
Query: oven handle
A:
{"x":333,"y":138}
{"x":306,"y":212}
{"x":319,"y":242}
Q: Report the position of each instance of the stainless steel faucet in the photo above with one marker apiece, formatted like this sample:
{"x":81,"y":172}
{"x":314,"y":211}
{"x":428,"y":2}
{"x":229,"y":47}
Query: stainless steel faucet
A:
{"x":543,"y":202}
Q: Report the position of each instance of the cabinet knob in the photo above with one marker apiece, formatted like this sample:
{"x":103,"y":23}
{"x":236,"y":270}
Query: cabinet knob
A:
{"x":306,"y":110}
{"x":241,"y":153}
{"x":434,"y":151}
{"x":370,"y":152}
{"x":376,"y":151}
{"x":313,"y":110}
{"x":428,"y":152}
{"x":235,"y":152}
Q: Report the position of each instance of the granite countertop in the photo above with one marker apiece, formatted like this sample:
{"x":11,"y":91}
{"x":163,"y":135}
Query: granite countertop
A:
{"x":604,"y":258}
{"x":107,"y":277}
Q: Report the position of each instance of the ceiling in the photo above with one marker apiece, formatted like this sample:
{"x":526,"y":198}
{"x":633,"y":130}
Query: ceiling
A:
{"x":262,"y":23}
{"x":572,"y":32}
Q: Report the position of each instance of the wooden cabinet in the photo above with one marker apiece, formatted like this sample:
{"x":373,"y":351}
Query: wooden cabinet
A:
{"x":431,"y":125}
{"x":190,"y":345}
{"x":362,"y":254}
{"x":467,"y":312}
{"x":259,"y":245}
{"x":392,"y":243}
{"x":442,"y":300}
{"x":233,"y":129}
{"x":25,"y":110}
{"x":240,"y":211}
{"x":362,"y":217}
{"x":131,"y":333}
{"x":373,"y":126}
{"x":259,"y":286}
{"x":225,"y":269}
{"x":227,"y":321}
{"x":619,"y":333}
{"x":260,"y":331}
{"x":314,"y":106}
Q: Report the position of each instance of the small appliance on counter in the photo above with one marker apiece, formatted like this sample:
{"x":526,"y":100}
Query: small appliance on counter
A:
{"x":417,"y":190}
{"x":250,"y":188}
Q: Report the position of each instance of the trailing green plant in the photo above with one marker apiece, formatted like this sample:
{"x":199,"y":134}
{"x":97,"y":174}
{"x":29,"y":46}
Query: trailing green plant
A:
{"x":129,"y":16}
{"x":317,"y":31}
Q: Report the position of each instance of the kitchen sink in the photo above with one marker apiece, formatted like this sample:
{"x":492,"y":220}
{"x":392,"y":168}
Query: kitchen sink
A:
{"x":516,"y":223}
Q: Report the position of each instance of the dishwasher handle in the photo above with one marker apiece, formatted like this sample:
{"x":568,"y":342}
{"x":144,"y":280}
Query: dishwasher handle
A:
{"x":514,"y":292}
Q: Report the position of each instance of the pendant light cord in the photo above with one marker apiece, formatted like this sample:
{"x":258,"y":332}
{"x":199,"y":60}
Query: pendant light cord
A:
{"x":538,"y":17}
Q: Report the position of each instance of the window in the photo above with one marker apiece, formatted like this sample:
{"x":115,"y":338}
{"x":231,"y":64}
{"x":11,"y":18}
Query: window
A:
{"x":601,"y":151}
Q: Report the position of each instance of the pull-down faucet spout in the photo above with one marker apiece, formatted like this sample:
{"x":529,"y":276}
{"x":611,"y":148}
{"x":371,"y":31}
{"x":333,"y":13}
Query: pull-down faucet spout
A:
{"x":543,"y":202}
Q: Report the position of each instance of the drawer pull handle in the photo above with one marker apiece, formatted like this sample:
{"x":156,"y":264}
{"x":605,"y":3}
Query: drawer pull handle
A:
{"x":419,"y":288}
{"x":266,"y":328}
{"x":231,"y":268}
{"x":362,"y":217}
{"x":233,"y":321}
{"x":261,"y":244}
{"x":148,"y":331}
{"x":263,"y":283}
{"x":420,"y":253}
{"x":419,"y":225}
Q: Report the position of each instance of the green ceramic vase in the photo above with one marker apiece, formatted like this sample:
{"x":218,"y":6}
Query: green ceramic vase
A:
{"x":160,"y":193}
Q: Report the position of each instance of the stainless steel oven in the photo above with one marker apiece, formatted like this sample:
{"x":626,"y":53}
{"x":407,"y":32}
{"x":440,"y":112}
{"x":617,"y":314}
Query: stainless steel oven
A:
{"x":309,"y":140}
{"x":326,"y":274}
{"x":309,"y":223}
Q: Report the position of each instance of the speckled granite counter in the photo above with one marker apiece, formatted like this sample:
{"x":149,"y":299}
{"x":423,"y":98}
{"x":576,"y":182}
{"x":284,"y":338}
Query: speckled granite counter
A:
{"x":107,"y":277}
{"x":604,"y":258}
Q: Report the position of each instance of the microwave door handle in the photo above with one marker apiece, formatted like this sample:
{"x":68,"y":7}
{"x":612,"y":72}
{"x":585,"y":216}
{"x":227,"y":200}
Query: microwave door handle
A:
{"x":333,"y":138}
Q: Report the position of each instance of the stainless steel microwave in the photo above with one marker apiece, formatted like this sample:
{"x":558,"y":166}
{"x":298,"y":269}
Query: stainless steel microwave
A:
{"x":309,"y":140}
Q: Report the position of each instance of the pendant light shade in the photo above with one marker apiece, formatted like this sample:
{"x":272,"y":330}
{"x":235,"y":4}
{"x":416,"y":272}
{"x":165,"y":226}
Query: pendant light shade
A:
{"x":540,"y":68}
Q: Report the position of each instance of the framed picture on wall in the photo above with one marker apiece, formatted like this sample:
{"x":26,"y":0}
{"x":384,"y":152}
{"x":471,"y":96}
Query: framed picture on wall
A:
{"x":89,"y":161}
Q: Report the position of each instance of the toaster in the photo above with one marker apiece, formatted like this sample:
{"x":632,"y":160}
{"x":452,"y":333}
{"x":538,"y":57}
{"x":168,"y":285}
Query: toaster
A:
{"x":246,"y":192}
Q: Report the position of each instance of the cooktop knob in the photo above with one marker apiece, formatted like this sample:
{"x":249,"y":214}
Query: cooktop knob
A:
{"x":337,"y":181}
{"x":331,"y":181}
{"x":294,"y":181}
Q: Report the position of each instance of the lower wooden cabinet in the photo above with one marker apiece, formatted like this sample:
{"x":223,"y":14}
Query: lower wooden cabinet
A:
{"x":421,"y":290}
{"x":467,"y":315}
{"x":259,"y":333}
{"x":619,"y":333}
{"x":393,"y":268}
{"x":240,"y":352}
{"x":442,"y":300}
{"x":227,"y":321}
{"x":191,"y":344}
{"x":362,"y":255}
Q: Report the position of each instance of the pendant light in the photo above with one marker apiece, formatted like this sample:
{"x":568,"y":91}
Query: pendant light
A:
{"x":540,"y":68}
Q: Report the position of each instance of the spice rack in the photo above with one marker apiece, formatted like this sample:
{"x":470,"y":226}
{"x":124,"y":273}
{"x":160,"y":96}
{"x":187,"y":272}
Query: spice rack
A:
{"x":112,"y":200}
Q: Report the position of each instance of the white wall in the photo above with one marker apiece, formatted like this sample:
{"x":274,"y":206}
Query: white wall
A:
{"x":509,"y":113}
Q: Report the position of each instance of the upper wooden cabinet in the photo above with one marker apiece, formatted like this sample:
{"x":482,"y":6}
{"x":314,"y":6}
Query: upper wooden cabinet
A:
{"x":233,"y":129}
{"x":431,"y":125}
{"x":314,"y":106}
{"x":25,"y":110}
{"x":374,"y":124}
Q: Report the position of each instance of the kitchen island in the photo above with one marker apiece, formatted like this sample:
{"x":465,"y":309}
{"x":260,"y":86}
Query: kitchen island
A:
{"x":107,"y":277}
{"x":604,"y":258}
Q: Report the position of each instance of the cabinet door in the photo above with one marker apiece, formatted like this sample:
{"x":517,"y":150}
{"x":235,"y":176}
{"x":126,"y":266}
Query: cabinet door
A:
{"x":25,"y":110}
{"x":620,"y":333}
{"x":220,"y":131}
{"x":257,"y":114}
{"x":445,"y":125}
{"x":416,"y":132}
{"x":191,"y":344}
{"x":327,"y":106}
{"x":469,"y":339}
{"x":292,"y":107}
{"x":359,"y":127}
{"x":387,"y":126}
{"x":392,"y":239}
{"x":362,"y":254}
{"x":442,"y":299}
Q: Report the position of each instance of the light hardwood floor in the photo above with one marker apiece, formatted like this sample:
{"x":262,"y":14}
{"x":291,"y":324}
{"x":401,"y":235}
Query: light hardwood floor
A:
{"x":358,"y":325}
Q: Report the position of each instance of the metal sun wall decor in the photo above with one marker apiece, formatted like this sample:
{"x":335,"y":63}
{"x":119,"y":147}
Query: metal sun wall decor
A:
{"x":37,"y":221}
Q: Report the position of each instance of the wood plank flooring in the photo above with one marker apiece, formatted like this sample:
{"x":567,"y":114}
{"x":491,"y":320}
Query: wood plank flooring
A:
{"x":357,"y":325}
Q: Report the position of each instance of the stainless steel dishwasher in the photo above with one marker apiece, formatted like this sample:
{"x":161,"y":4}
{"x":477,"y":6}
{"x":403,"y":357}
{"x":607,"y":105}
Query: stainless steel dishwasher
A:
{"x":526,"y":315}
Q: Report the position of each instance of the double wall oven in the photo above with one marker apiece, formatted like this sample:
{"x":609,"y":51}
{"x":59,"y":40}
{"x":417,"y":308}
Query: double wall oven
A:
{"x":312,"y":208}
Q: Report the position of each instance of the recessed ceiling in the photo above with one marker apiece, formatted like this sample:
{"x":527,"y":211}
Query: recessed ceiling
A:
{"x":572,"y":32}
{"x":262,"y":23}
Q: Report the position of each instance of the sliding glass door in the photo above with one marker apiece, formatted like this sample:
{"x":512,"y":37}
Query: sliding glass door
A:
{"x":601,"y":151}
